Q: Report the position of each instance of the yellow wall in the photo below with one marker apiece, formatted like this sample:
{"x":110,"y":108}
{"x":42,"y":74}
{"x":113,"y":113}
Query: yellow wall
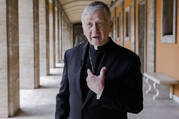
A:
{"x":112,"y":14}
{"x":167,"y":55}
{"x":136,"y":27}
{"x":127,"y":3}
{"x":50,"y":8}
{"x":112,"y":17}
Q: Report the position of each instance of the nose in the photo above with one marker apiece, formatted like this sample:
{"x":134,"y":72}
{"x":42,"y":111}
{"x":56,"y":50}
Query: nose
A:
{"x":95,"y":28}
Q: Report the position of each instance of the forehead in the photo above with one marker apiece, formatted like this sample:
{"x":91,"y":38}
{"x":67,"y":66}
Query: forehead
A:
{"x":96,"y":15}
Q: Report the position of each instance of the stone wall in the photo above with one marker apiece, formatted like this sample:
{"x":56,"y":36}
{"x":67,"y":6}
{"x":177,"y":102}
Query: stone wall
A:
{"x":3,"y":61}
{"x":9,"y":58}
{"x":28,"y":43}
{"x":42,"y":37}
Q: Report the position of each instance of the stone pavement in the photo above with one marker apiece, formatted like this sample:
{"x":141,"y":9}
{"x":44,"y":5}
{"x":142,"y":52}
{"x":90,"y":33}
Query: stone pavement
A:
{"x":40,"y":103}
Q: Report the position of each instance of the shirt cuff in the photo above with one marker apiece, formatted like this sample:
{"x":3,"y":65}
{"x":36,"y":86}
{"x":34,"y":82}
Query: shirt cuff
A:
{"x":99,"y":95}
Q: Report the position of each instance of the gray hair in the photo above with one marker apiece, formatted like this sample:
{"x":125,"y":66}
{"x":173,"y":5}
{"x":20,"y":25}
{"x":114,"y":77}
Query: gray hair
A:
{"x":94,"y":6}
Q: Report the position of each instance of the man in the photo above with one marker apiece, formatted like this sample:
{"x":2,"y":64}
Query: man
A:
{"x":101,"y":80}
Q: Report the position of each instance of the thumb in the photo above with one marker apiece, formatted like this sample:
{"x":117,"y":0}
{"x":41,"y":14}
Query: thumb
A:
{"x":102,"y":72}
{"x":89,"y":72}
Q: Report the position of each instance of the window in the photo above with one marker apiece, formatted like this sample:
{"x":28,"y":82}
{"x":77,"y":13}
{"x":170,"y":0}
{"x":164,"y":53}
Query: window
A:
{"x":168,"y":21}
{"x":119,"y":27}
{"x":127,"y":25}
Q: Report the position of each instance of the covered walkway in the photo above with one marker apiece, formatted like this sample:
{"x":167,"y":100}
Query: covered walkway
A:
{"x":34,"y":34}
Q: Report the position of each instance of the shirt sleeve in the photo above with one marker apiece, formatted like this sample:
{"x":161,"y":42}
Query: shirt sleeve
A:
{"x":99,"y":95}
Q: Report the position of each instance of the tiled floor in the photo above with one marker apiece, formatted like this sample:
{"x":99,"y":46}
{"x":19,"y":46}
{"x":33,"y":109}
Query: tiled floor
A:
{"x":158,"y":109}
{"x":40,"y":103}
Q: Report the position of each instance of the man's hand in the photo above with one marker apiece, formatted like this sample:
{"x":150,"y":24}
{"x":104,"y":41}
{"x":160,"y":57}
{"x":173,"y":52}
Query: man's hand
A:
{"x":96,"y":83}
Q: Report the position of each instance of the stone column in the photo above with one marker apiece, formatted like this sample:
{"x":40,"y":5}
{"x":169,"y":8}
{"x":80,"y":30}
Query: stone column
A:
{"x":42,"y":37}
{"x":3,"y":61}
{"x":51,"y":35}
{"x":29,"y":43}
{"x":122,"y":25}
{"x":54,"y":34}
{"x":36,"y":43}
{"x":58,"y":21}
{"x":61,"y":34}
{"x":133,"y":26}
{"x":151,"y":37}
{"x":9,"y":58}
{"x":47,"y":37}
{"x":64,"y":31}
{"x":57,"y":34}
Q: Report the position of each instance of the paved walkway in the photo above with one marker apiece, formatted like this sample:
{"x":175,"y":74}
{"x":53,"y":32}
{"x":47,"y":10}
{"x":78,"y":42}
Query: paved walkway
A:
{"x":158,"y":109}
{"x":40,"y":103}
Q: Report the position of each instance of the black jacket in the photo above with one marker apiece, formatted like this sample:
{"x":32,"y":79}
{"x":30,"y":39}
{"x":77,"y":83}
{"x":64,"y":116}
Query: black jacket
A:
{"x":122,"y":91}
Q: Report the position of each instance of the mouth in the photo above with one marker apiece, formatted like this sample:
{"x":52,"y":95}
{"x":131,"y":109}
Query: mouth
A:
{"x":96,"y":37}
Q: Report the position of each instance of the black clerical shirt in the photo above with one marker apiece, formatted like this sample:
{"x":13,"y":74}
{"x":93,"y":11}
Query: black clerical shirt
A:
{"x":93,"y":60}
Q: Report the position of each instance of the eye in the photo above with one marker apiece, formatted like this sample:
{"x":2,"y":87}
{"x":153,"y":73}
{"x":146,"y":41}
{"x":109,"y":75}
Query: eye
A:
{"x":100,"y":23}
{"x":89,"y":24}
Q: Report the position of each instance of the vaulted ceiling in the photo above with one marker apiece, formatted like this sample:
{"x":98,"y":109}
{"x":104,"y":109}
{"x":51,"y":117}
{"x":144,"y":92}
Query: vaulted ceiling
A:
{"x":74,"y":8}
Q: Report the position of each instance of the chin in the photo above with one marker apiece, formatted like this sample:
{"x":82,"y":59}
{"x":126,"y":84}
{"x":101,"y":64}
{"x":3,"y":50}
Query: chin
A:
{"x":96,"y":43}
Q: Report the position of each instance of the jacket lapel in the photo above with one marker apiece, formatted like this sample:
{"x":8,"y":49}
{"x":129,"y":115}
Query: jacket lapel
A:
{"x":82,"y":53}
{"x":88,"y":97}
{"x":109,"y":59}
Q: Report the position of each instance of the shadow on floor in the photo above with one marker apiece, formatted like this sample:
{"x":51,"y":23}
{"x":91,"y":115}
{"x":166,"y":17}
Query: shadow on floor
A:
{"x":49,"y":86}
{"x":38,"y":111}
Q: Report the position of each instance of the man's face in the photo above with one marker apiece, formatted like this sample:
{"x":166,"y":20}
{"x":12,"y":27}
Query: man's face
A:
{"x":96,"y":28}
